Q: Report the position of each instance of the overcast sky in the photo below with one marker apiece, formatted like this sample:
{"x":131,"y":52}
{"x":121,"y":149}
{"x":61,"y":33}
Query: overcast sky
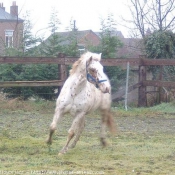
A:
{"x":87,"y":13}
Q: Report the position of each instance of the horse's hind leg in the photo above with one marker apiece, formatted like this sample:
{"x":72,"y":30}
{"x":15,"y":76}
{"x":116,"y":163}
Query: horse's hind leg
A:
{"x":53,"y":125}
{"x":75,"y":130}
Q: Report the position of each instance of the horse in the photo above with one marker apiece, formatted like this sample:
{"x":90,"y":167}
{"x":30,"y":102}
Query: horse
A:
{"x":86,"y":89}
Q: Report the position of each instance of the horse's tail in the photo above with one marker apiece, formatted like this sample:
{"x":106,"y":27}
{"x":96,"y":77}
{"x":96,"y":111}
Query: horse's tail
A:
{"x":109,"y":119}
{"x":111,"y":123}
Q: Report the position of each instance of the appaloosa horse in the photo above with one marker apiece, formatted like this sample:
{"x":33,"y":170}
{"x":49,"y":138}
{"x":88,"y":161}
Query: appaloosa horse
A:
{"x":86,"y":89}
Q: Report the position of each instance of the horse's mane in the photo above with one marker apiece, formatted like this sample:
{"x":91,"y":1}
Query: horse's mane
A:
{"x":75,"y":65}
{"x":84,"y":57}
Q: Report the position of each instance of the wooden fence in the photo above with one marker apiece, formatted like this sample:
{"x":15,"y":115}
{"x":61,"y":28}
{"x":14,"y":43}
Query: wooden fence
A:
{"x":63,"y":62}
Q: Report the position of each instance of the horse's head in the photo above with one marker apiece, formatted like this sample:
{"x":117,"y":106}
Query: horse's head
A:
{"x":95,"y":74}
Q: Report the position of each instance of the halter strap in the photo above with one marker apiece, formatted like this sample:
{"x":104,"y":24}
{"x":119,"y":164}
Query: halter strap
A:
{"x":91,"y":79}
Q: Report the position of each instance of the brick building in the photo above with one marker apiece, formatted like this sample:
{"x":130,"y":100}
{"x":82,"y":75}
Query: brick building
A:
{"x":84,"y":38}
{"x":132,"y":47}
{"x":11,"y":28}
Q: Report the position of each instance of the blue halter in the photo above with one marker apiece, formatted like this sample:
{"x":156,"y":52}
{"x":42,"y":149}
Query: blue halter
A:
{"x":92,"y":80}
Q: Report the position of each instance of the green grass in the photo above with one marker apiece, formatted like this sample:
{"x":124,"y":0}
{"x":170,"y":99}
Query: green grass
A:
{"x":24,"y":127}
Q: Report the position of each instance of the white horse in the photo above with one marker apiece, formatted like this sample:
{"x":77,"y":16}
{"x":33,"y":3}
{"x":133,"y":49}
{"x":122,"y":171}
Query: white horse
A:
{"x":86,"y":89}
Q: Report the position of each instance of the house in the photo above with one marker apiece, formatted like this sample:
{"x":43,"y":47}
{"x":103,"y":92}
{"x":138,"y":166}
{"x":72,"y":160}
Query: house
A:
{"x":132,"y":47}
{"x":84,"y":38}
{"x":11,"y":28}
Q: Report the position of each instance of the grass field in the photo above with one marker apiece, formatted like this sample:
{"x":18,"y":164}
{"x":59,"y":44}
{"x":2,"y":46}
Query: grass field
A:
{"x":144,"y":144}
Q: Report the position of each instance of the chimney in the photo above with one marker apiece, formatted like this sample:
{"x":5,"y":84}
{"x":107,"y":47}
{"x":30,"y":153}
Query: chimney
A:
{"x":14,"y":9}
{"x":1,"y":6}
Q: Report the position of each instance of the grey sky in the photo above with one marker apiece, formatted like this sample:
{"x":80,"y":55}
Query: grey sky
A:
{"x":87,"y":13}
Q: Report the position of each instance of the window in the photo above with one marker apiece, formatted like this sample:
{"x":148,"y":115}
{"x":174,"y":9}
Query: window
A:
{"x":81,"y":49}
{"x":9,"y":38}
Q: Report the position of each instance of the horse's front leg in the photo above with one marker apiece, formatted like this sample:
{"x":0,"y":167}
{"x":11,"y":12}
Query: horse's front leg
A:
{"x":75,"y":130}
{"x":79,"y":130}
{"x":53,"y":126}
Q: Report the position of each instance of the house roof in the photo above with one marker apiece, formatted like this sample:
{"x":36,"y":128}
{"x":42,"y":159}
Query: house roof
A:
{"x":82,"y":37}
{"x":114,"y":33}
{"x":5,"y":16}
{"x":132,"y":47}
{"x":79,"y":33}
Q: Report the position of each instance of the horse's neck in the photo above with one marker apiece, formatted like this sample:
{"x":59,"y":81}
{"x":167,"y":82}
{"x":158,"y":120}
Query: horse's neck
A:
{"x":78,"y":80}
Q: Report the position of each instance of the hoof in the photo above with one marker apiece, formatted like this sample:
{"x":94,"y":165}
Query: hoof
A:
{"x":63,"y":151}
{"x":72,"y":146}
{"x":60,"y":154}
{"x":104,"y":142}
{"x":49,"y":141}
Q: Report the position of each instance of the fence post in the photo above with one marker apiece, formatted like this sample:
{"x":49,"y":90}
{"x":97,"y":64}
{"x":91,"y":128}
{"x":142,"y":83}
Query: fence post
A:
{"x":142,"y":89}
{"x":160,"y":88}
{"x":126,"y":90}
{"x":62,"y":72}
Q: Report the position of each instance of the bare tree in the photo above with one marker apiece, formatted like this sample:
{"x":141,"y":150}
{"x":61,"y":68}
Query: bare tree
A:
{"x":153,"y":14}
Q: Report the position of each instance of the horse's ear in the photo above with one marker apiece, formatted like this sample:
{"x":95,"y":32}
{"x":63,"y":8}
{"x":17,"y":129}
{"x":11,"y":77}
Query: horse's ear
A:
{"x":100,"y":56}
{"x":90,"y":59}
